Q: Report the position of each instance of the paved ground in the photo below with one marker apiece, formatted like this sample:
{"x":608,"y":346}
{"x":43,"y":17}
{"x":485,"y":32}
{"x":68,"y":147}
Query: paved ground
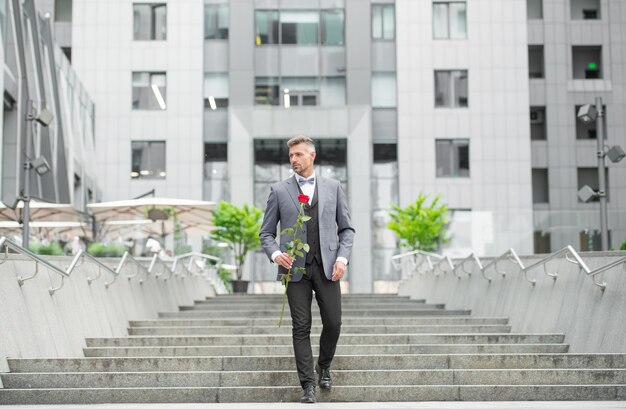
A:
{"x":371,"y":405}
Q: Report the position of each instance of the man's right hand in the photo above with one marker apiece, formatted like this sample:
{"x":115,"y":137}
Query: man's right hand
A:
{"x":284,"y":260}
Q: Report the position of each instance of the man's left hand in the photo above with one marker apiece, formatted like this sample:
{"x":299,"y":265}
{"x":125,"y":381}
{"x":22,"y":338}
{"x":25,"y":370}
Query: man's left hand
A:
{"x":339,"y":269}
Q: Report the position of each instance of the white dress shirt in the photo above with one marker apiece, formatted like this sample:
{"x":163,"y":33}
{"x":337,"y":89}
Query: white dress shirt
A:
{"x":309,"y":190}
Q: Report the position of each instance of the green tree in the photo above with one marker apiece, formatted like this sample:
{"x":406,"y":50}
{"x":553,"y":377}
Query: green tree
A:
{"x":239,"y":228}
{"x":420,"y":226}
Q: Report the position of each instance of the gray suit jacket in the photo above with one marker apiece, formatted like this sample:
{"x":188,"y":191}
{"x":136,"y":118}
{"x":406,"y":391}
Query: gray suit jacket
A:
{"x":335,"y":227}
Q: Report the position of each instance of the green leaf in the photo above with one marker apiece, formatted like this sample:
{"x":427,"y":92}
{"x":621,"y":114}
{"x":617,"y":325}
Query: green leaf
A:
{"x":306,"y":247}
{"x":306,"y":218}
{"x":288,"y":230}
{"x":300,"y":246}
{"x":420,"y":225}
{"x":299,"y":253}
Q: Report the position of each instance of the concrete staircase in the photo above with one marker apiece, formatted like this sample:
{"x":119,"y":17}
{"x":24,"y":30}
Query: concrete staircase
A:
{"x":229,"y":349}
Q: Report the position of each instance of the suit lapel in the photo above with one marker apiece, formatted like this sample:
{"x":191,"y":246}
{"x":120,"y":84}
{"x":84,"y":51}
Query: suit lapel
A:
{"x":292,"y":188}
{"x":321,"y":195}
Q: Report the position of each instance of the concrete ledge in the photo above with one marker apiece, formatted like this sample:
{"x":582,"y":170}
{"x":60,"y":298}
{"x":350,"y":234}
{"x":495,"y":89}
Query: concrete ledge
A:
{"x":37,"y":324}
{"x":591,"y":319}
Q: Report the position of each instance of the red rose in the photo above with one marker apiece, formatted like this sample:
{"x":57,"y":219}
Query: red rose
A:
{"x":303,"y":199}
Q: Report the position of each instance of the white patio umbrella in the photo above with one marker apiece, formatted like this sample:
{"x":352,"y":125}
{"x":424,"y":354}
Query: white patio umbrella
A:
{"x":194,"y":216}
{"x":69,"y":228}
{"x":42,"y":211}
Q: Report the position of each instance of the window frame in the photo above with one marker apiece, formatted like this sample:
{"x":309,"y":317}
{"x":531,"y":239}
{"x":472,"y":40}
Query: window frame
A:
{"x":149,"y":143}
{"x":452,"y":89}
{"x":153,"y":7}
{"x":382,"y":7}
{"x":448,"y":19}
{"x":452,"y":142}
{"x":151,"y":73}
{"x":217,"y":6}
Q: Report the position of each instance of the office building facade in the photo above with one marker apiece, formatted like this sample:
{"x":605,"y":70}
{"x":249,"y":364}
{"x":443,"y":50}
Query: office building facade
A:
{"x":196,"y":99}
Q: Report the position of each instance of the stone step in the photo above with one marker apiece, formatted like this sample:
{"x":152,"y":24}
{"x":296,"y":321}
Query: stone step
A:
{"x":348,"y":339}
{"x":397,"y":393}
{"x":344,"y":301}
{"x":350,"y":296}
{"x":341,"y":362}
{"x":340,"y":377}
{"x":261,"y":350}
{"x":278,"y":305}
{"x":276,"y":313}
{"x":345,"y":329}
{"x":463,"y":320}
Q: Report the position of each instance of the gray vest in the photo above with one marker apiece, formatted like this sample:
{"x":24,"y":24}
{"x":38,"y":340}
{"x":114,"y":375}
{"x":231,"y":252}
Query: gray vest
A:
{"x":313,"y":230}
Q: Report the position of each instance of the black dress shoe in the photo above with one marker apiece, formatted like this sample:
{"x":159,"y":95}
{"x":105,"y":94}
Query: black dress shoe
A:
{"x":325,"y":381}
{"x":309,"y":395}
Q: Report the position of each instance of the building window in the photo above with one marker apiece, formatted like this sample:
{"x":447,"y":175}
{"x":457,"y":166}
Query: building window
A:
{"x":449,"y":20}
{"x":333,"y":27}
{"x":542,"y":242}
{"x":538,"y":124}
{"x":215,"y":90}
{"x":271,"y":164}
{"x":385,"y":176}
{"x":451,"y":88}
{"x":452,"y":158}
{"x":148,"y":160}
{"x":67,"y":52}
{"x":541,"y":190}
{"x":299,"y":27}
{"x":384,"y":90}
{"x":534,"y":9}
{"x":587,"y":62}
{"x":150,"y":21}
{"x":589,"y":177}
{"x":215,"y":21}
{"x":585,"y":9}
{"x":300,"y":91}
{"x":266,"y":91}
{"x":587,"y":130}
{"x":591,"y":240}
{"x":62,"y":11}
{"x":216,"y":172}
{"x":535,"y":61}
{"x":383,"y":21}
{"x":385,"y":193}
{"x":149,"y":91}
{"x":266,"y":26}
{"x":291,"y":92}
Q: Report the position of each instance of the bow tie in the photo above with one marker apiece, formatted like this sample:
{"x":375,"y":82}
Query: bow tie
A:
{"x":303,"y":181}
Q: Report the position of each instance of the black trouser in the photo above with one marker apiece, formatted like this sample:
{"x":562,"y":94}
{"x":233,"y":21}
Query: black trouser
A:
{"x":328,"y":296}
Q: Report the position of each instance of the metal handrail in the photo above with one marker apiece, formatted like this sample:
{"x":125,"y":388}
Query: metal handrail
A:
{"x":82,"y":254}
{"x":475,"y":259}
{"x":567,"y":251}
{"x":78,"y":260}
{"x":127,"y":257}
{"x":153,"y":263}
{"x":424,"y":256}
{"x":510,"y":255}
{"x":445,"y":259}
{"x":195,"y":254}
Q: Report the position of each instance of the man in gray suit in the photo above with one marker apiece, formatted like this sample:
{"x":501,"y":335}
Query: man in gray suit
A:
{"x":329,"y":235}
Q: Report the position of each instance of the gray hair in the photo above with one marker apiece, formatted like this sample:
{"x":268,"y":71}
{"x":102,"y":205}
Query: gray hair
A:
{"x":298,"y":139}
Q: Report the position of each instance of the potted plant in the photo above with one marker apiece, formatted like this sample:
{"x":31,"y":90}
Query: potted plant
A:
{"x":420,"y":226}
{"x":238,"y":227}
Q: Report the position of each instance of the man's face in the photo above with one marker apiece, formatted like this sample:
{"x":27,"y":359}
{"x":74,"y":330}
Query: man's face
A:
{"x":301,"y":159}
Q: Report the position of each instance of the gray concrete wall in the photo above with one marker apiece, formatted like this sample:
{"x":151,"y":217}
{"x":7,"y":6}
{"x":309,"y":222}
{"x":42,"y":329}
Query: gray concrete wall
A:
{"x":592,"y":320}
{"x":35,"y":324}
